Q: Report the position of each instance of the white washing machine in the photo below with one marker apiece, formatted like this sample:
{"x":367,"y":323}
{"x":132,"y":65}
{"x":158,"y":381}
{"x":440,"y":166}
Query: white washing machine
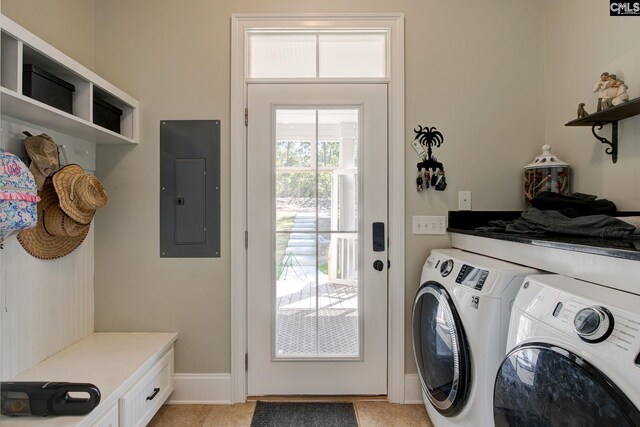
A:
{"x":573,"y":357}
{"x":460,"y":323}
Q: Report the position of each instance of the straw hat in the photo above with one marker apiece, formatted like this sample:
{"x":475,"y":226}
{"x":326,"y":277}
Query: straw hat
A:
{"x":44,"y":157}
{"x":80,"y":193}
{"x":56,"y":234}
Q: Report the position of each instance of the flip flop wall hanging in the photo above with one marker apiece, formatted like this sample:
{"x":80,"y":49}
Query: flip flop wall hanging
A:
{"x":430,"y":170}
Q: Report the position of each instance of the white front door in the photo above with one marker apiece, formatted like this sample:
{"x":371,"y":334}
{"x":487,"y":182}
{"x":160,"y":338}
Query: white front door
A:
{"x":317,"y":247}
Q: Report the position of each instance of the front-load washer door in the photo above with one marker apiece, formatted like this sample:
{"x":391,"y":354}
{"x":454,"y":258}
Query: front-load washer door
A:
{"x":441,"y":350}
{"x":543,"y":385}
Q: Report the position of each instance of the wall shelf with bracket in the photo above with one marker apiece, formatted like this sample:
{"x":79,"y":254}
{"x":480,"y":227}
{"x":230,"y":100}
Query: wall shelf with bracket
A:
{"x":609,"y":116}
{"x":20,"y":48}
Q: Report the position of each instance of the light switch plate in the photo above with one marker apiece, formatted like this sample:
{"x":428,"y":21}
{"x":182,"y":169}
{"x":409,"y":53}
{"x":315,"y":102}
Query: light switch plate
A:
{"x":429,"y":225}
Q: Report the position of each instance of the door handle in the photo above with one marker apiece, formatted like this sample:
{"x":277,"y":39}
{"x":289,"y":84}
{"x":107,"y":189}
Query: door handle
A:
{"x":378,"y":265}
{"x":152,"y":396}
{"x":378,"y":236}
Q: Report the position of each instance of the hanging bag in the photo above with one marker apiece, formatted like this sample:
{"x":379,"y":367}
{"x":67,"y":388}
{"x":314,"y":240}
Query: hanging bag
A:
{"x":18,"y":195}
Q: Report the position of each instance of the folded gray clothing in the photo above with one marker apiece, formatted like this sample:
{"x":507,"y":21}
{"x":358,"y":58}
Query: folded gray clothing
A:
{"x":538,"y":222}
{"x":572,"y":205}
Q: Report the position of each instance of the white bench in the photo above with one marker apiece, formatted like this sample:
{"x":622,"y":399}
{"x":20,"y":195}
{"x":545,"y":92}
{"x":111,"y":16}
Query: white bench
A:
{"x":127,"y":367}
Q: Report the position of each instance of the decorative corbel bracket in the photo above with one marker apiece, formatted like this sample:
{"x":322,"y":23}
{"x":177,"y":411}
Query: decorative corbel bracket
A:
{"x":612,"y":148}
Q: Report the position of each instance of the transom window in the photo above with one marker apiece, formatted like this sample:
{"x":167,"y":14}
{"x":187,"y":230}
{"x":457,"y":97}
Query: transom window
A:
{"x":315,"y":54}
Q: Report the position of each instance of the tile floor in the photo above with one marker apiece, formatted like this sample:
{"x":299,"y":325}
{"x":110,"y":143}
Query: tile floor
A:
{"x":369,"y":413}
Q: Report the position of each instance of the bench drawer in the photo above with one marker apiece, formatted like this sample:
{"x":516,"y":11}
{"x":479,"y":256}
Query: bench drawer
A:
{"x":109,"y":418}
{"x":142,"y":401}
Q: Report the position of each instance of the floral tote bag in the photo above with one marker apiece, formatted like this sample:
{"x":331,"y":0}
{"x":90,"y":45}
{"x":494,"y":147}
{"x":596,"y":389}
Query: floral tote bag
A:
{"x":18,"y":195}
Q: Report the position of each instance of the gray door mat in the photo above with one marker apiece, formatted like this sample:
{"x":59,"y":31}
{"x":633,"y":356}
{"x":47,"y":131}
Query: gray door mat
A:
{"x":307,"y":414}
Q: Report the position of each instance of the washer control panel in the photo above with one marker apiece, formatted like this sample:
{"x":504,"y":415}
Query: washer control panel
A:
{"x":472,"y":277}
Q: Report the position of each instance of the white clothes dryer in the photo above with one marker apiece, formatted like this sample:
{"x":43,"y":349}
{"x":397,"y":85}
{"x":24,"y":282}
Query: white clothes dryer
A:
{"x":573,"y":357}
{"x":460,"y":322}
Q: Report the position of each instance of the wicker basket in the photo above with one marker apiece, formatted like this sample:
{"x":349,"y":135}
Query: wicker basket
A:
{"x":106,"y":115}
{"x":47,"y":88}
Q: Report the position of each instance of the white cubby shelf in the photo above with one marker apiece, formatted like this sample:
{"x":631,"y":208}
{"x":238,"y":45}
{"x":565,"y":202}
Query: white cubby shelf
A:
{"x":20,"y":47}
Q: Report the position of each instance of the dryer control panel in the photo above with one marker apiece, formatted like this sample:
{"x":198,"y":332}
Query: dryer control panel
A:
{"x":603,"y":319}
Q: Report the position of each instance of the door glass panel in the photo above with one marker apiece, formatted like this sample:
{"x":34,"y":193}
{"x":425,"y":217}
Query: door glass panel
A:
{"x":547,"y":386}
{"x":316,"y":259}
{"x":296,"y":320}
{"x":296,"y":197}
{"x":338,"y":299}
{"x":338,"y":135}
{"x":293,"y":153}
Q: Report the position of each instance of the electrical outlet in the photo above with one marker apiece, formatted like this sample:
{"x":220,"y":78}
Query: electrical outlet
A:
{"x":464,"y":200}
{"x":429,"y":225}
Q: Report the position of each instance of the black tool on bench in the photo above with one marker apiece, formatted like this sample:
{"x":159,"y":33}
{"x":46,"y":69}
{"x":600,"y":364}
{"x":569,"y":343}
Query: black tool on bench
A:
{"x":48,"y":398}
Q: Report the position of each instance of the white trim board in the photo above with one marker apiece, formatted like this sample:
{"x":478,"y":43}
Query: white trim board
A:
{"x":394,"y":23}
{"x":412,"y":390}
{"x":201,"y":389}
{"x":215,"y":389}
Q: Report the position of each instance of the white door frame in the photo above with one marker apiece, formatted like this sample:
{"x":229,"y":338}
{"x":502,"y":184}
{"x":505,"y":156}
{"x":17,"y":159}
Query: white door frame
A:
{"x":394,"y":23}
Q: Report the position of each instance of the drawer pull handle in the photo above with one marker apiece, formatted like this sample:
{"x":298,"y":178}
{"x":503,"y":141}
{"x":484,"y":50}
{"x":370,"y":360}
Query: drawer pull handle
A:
{"x":155,"y":392}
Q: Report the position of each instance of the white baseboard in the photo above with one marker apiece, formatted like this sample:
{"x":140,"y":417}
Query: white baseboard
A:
{"x":412,"y":389}
{"x":201,"y":389}
{"x":216,"y":389}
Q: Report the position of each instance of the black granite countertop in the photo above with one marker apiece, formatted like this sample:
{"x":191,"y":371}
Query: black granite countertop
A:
{"x":465,"y":222}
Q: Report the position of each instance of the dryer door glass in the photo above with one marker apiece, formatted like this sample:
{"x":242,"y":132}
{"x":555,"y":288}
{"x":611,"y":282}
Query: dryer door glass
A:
{"x":547,"y":386}
{"x":440,"y":349}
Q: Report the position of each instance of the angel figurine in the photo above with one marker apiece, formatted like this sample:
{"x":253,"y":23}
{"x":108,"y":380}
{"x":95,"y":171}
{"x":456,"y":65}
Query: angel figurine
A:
{"x":621,"y":94}
{"x":600,"y":86}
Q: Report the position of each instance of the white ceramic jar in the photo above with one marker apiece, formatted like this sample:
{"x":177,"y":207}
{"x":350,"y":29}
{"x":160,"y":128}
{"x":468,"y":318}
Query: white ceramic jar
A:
{"x":546,"y":173}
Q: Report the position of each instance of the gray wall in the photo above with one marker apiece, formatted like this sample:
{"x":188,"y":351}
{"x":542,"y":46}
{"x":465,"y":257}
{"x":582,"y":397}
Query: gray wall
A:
{"x":582,"y":41}
{"x":473,"y":69}
{"x":65,"y":24}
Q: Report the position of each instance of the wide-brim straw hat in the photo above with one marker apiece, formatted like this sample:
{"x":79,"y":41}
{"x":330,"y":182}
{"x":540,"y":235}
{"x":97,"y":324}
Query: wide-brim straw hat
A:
{"x":56,"y":234}
{"x":80,"y":193}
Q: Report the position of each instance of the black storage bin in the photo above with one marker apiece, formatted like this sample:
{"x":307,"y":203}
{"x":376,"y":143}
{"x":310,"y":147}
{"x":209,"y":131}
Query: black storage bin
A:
{"x":106,"y":115}
{"x":45,"y":87}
